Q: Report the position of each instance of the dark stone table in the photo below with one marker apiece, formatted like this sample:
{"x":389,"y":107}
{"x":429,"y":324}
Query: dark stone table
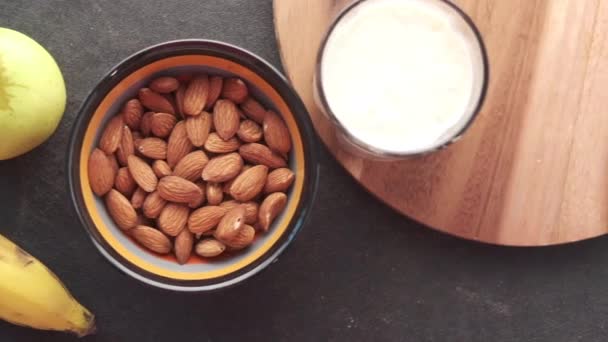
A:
{"x":357,"y":272}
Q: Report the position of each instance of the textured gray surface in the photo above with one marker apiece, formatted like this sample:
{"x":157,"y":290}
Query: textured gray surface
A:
{"x":357,"y":272}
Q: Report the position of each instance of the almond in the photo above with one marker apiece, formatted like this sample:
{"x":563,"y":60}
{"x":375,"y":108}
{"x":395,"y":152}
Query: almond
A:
{"x":228,"y":184}
{"x":101,"y":172}
{"x":215,"y":195}
{"x":179,"y":145}
{"x":196,"y":95}
{"x":161,"y":124}
{"x":153,"y":148}
{"x":191,"y":166}
{"x":209,"y":248}
{"x":179,"y":99}
{"x":215,"y":144}
{"x":215,"y":88}
{"x":184,"y":78}
{"x":126,"y":146}
{"x":114,"y":163}
{"x":142,"y":173}
{"x":270,"y":208}
{"x":110,"y":138}
{"x":230,"y":224}
{"x":137,"y":200}
{"x":152,"y":239}
{"x":279,"y":180}
{"x":243,"y":238}
{"x":201,"y":199}
{"x":183,"y":246}
{"x":249,"y":184}
{"x":178,"y":190}
{"x":231,"y":204}
{"x":161,"y":168}
{"x":223,"y":168}
{"x":249,"y":131}
{"x":198,"y":127}
{"x":225,"y":119}
{"x":132,"y":112}
{"x":173,"y":218}
{"x":253,"y":110}
{"x":164,"y":85}
{"x":260,"y":154}
{"x":153,"y":205}
{"x":155,"y":101}
{"x":146,"y":124}
{"x":121,"y":210}
{"x":276,"y":133}
{"x":205,"y":218}
{"x":235,"y":90}
{"x":251,"y":209}
{"x":124,"y":182}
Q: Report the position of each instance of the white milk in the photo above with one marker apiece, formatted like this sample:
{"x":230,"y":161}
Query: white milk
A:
{"x":402,"y":76}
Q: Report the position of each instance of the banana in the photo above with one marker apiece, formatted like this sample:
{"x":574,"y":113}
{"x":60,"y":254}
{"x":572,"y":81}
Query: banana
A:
{"x":31,"y":295}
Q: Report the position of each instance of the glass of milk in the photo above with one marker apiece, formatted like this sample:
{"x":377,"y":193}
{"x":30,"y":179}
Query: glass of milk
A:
{"x":401,"y":77}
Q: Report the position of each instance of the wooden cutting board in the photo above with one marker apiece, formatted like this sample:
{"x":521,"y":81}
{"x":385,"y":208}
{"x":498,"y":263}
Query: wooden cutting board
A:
{"x":533,"y":169}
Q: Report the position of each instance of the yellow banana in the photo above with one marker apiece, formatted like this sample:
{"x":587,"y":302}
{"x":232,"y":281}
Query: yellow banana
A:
{"x":31,"y":295}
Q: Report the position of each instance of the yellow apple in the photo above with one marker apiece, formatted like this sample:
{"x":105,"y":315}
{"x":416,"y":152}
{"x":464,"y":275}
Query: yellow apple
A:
{"x":32,"y":94}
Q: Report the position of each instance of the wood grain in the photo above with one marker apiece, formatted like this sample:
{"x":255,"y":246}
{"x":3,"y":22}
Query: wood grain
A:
{"x":533,"y":169}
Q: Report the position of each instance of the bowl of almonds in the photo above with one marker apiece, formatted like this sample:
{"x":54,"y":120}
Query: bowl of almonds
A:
{"x":192,"y":165}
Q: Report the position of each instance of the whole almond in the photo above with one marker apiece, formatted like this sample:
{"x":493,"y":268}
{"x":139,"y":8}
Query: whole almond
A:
{"x":179,"y":145}
{"x":178,"y":190}
{"x":230,"y":204}
{"x":205,"y":218}
{"x":110,"y":138}
{"x":164,"y":85}
{"x":215,"y":195}
{"x":215,"y":144}
{"x":153,"y":148}
{"x":226,"y":119}
{"x":126,"y":146}
{"x":270,"y":208}
{"x":196,"y":95}
{"x":146,"y":124}
{"x":101,"y":172}
{"x":201,"y":199}
{"x":155,"y":101}
{"x":251,"y":209}
{"x":152,"y":239}
{"x":249,"y":131}
{"x":249,"y":184}
{"x":276,"y":133}
{"x":121,"y":210}
{"x":124,"y":183}
{"x":222,"y":168}
{"x":179,"y":99}
{"x":260,"y":154}
{"x":230,"y":224}
{"x":215,"y":88}
{"x":153,"y":205}
{"x":162,"y":124}
{"x":132,"y":112}
{"x":243,"y":238}
{"x":198,"y":127}
{"x":235,"y":90}
{"x":191,"y":166}
{"x":253,"y":110}
{"x":279,"y":180}
{"x":161,"y":168}
{"x":183,"y":246}
{"x":137,"y":200}
{"x":114,"y":163}
{"x":209,"y":248}
{"x":142,"y":173}
{"x":228,"y":184}
{"x":173,"y":218}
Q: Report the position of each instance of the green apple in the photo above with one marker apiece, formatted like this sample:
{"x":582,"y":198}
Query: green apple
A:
{"x":32,"y":94}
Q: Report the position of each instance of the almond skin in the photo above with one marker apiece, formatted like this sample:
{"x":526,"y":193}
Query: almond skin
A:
{"x":209,"y":248}
{"x":276,"y":133}
{"x":153,"y":148}
{"x":230,"y":224}
{"x":179,"y":145}
{"x":112,"y":134}
{"x":137,"y":200}
{"x":142,"y":173}
{"x":101,"y":172}
{"x":173,"y":218}
{"x":215,"y":195}
{"x":178,"y":190}
{"x":114,"y":163}
{"x":205,"y":219}
{"x":155,"y":101}
{"x":164,"y":85}
{"x":162,"y":124}
{"x":201,"y":199}
{"x":196,"y":95}
{"x":191,"y":166}
{"x":126,"y":146}
{"x":222,"y":168}
{"x":132,"y":112}
{"x":215,"y":88}
{"x":121,"y":210}
{"x":235,"y":90}
{"x":146,"y":124}
{"x":249,"y":184}
{"x":270,"y":208}
{"x":260,"y":154}
{"x":228,"y":184}
{"x":153,"y":205}
{"x":198,"y":128}
{"x":226,"y":119}
{"x":249,"y":131}
{"x":161,"y":168}
{"x":184,"y":242}
{"x":179,"y":99}
{"x":251,"y":209}
{"x":215,"y":144}
{"x":279,"y":180}
{"x":152,"y":239}
{"x":253,"y":110}
{"x":124,"y":183}
{"x":243,"y":238}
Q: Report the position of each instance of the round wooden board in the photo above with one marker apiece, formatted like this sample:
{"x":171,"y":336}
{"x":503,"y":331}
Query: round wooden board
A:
{"x":533,"y":169}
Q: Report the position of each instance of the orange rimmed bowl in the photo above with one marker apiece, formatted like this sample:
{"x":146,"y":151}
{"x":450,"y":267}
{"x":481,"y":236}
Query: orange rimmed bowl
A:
{"x":121,"y":84}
